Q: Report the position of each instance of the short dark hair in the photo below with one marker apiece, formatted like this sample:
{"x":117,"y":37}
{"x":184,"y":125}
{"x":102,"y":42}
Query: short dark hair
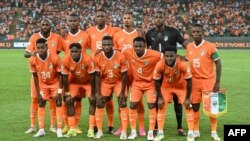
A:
{"x":101,"y":10}
{"x":107,"y":37}
{"x":77,"y":45}
{"x":41,"y":40}
{"x":160,"y":12}
{"x":129,"y":13}
{"x":170,"y":48}
{"x":139,"y":39}
{"x":73,"y":14}
{"x":198,"y":25}
{"x":48,"y":20}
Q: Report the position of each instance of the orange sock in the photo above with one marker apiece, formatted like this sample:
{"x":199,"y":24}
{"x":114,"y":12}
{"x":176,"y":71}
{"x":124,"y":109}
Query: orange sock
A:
{"x":99,"y":114}
{"x":120,"y":121}
{"x":132,"y":118}
{"x":72,"y":122}
{"x":152,"y":118}
{"x":110,"y":112}
{"x":161,"y":117}
{"x":59,"y":115}
{"x":190,"y":119}
{"x":196,"y":120}
{"x":213,"y":122}
{"x":41,"y":117}
{"x":52,"y":108}
{"x":140,"y":114}
{"x":78,"y":112}
{"x":65,"y":116}
{"x":92,"y":122}
{"x":124,"y":118}
{"x":33,"y":112}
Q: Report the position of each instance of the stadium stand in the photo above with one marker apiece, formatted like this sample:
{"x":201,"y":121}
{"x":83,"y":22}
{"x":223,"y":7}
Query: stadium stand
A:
{"x":220,"y":18}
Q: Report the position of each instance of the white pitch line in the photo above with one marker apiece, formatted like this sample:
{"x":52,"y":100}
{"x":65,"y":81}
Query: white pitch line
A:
{"x":236,"y":69}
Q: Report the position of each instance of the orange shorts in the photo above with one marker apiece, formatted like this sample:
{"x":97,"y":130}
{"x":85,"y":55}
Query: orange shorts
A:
{"x":141,"y":87}
{"x":49,"y":91}
{"x":33,"y":92}
{"x":168,"y":93}
{"x":108,"y":89}
{"x":199,"y":85}
{"x":80,"y":90}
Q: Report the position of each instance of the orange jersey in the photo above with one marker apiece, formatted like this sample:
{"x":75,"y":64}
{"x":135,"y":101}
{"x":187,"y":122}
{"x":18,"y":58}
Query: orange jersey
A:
{"x":173,"y":76}
{"x":142,"y":68}
{"x":96,"y":36}
{"x":80,"y":37}
{"x":47,"y":70}
{"x":54,"y":42}
{"x":202,"y":59}
{"x":111,"y":69}
{"x":78,"y":71}
{"x":123,"y":39}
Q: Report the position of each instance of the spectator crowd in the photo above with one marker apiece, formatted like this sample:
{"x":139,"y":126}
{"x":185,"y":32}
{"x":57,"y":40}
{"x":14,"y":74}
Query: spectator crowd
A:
{"x":219,"y":18}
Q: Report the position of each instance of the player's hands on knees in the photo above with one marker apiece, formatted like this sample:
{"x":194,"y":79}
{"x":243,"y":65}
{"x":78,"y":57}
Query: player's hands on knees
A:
{"x":100,"y":100}
{"x":122,"y":100}
{"x":92,"y":99}
{"x":160,"y":102}
{"x":41,"y":101}
{"x":68,"y":99}
{"x":58,"y":99}
{"x":188,"y":104}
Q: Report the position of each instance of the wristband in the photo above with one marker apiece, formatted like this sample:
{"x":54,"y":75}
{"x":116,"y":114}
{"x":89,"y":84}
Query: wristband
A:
{"x":59,"y":91}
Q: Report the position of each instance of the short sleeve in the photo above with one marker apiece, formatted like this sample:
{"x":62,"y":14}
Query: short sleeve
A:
{"x":158,"y":70}
{"x":32,"y":66}
{"x":64,"y":66}
{"x":124,"y":63}
{"x":90,"y":66}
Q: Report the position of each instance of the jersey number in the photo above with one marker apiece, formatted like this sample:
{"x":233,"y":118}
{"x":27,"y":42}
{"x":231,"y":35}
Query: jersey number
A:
{"x":196,"y":63}
{"x":45,"y":75}
{"x":126,"y":46}
{"x":110,"y":73}
{"x":78,"y":74}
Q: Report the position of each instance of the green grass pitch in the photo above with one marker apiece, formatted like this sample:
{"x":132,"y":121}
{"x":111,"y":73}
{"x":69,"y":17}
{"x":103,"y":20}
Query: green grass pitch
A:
{"x":15,"y":100}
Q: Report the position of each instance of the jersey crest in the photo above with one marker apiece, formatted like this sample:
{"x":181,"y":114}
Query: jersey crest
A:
{"x":165,"y":38}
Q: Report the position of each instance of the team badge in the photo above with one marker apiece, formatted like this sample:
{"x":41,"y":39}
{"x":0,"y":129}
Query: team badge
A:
{"x":83,"y":67}
{"x":80,"y":41}
{"x":203,"y":52}
{"x":53,"y":44}
{"x":115,"y":66}
{"x":165,"y":38}
{"x":50,"y":65}
{"x":146,"y":62}
{"x":171,"y":79}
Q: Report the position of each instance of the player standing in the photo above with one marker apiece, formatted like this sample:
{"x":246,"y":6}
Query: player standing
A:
{"x":46,"y":70}
{"x":202,"y":56}
{"x":54,"y":43}
{"x":111,"y":77}
{"x":96,"y":34}
{"x":78,"y":80}
{"x":174,"y":71}
{"x":123,"y":39}
{"x":142,"y":62}
{"x":160,"y":37}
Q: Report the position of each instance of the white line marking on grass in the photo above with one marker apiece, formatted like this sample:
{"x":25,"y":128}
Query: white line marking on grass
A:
{"x":236,"y":69}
